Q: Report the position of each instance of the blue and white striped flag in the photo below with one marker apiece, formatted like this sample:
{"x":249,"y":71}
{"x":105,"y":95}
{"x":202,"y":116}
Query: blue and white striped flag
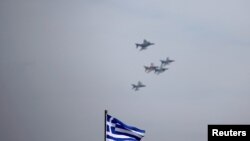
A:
{"x":118,"y":131}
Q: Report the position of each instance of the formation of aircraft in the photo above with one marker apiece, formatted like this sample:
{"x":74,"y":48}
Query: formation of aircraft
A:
{"x":166,"y":62}
{"x":157,"y":69}
{"x":144,"y":45}
{"x":138,"y":85}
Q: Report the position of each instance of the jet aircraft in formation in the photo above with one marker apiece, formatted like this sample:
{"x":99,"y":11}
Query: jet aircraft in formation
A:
{"x":166,"y":62}
{"x":160,"y":70}
{"x":144,"y":45}
{"x":139,"y":85}
{"x":157,"y":69}
{"x":150,"y":68}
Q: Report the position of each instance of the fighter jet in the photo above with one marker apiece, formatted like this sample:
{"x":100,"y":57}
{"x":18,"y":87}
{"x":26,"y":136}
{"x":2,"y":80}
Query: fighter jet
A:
{"x":150,"y":68}
{"x":160,"y":70}
{"x":166,"y":62}
{"x":144,"y":45}
{"x":139,"y":85}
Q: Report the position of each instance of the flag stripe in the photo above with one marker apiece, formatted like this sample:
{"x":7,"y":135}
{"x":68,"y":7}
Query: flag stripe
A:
{"x":128,"y":134}
{"x":120,"y":139}
{"x":116,"y":135}
{"x":116,"y":121}
{"x":122,"y":127}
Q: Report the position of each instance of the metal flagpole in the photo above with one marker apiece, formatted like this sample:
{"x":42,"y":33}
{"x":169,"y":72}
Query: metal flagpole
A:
{"x":105,"y":122}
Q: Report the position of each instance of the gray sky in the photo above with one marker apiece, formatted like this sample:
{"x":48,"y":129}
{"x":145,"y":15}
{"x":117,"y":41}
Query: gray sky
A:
{"x":63,"y":62}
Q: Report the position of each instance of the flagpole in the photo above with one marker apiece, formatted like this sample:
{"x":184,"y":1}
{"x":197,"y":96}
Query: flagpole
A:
{"x":105,"y":121}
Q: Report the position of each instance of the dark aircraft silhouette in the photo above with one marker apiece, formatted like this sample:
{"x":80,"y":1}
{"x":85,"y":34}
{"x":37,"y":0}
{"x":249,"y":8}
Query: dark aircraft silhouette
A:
{"x":166,"y":62}
{"x":139,"y":85}
{"x":160,"y":70}
{"x":144,"y":45}
{"x":150,"y":68}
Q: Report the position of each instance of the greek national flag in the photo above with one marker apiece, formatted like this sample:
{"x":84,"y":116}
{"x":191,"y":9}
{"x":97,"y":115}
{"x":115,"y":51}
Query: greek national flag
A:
{"x":118,"y":131}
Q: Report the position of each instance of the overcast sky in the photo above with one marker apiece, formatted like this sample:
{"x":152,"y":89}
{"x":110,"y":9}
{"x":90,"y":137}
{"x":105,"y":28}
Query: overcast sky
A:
{"x":62,"y":63}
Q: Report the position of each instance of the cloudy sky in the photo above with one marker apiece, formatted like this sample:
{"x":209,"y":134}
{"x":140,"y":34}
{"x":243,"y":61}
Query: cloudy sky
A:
{"x":62,"y":63}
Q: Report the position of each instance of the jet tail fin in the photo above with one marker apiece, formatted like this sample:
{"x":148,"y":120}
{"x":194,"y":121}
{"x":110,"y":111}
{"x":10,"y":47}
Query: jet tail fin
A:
{"x":137,"y":45}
